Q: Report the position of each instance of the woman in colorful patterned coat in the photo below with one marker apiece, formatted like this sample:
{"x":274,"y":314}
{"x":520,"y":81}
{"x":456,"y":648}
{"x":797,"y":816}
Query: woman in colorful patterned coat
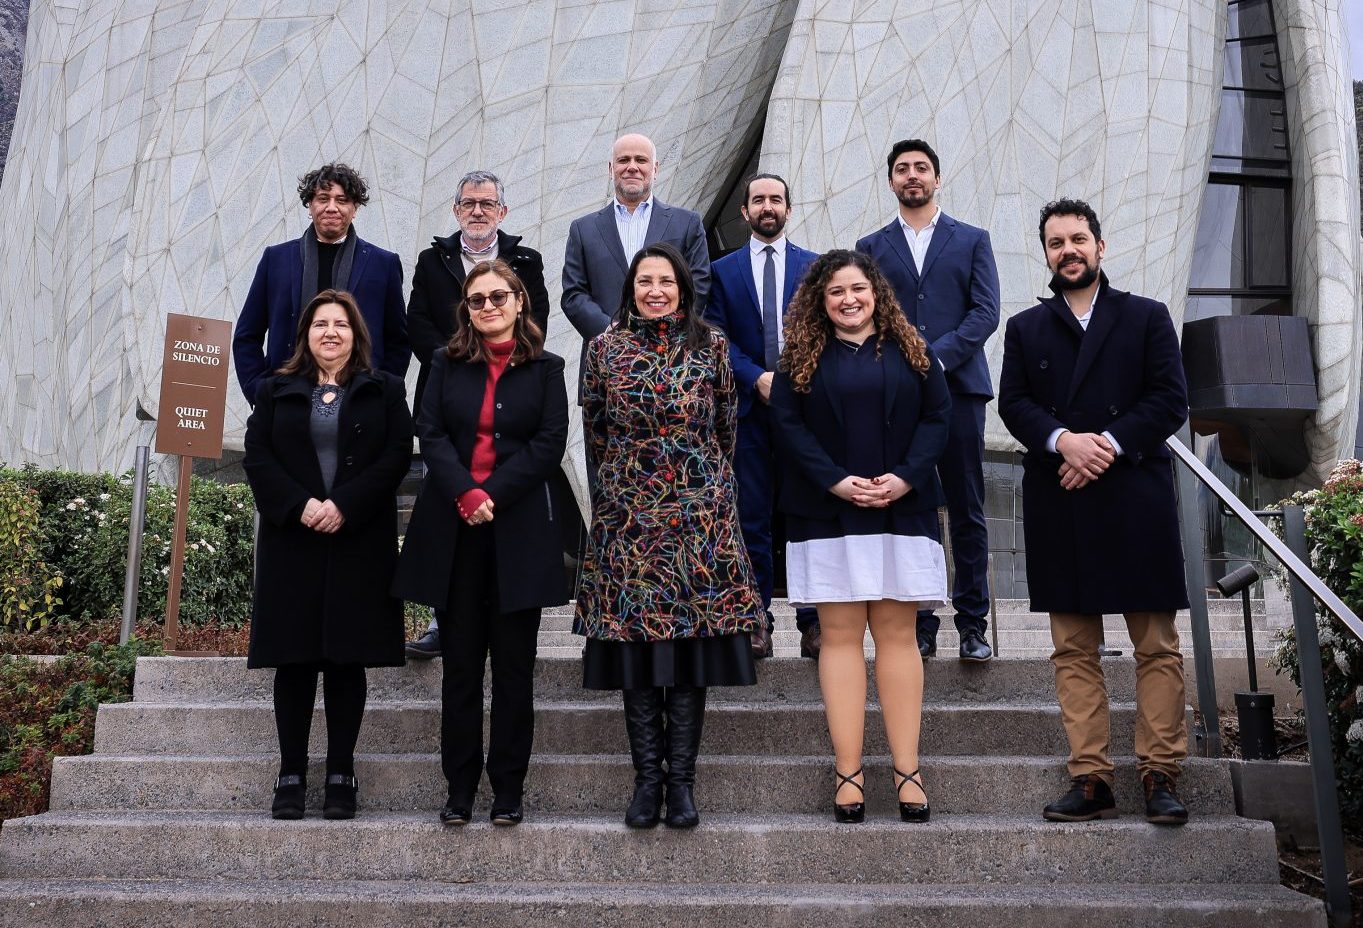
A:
{"x":667,"y":597}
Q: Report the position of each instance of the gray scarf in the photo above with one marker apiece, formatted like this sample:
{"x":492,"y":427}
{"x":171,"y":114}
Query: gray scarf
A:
{"x":340,"y":272}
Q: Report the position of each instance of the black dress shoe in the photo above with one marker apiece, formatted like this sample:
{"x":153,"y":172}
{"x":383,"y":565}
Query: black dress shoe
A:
{"x":289,"y":794}
{"x":341,"y":796}
{"x":849,"y":813}
{"x":1089,"y":798}
{"x":917,"y":813}
{"x":974,"y":650}
{"x":507,"y":815}
{"x":927,"y":644}
{"x":425,"y":647}
{"x":456,"y":813}
{"x":1162,"y":805}
{"x":760,"y":638}
{"x":810,"y":642}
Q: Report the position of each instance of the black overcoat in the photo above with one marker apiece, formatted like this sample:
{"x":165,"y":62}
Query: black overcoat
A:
{"x":530,"y":432}
{"x":326,"y":596}
{"x":813,"y":442}
{"x":1111,"y":546}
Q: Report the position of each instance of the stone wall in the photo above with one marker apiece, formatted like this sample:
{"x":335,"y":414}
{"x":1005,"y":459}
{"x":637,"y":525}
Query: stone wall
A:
{"x":13,"y":25}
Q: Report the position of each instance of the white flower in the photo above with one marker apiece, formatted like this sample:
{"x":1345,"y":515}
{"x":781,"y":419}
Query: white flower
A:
{"x":1355,"y":733}
{"x":71,"y":505}
{"x":104,"y":496}
{"x":1328,"y":638}
{"x":1342,"y":662}
{"x":227,"y":518}
{"x":211,"y":549}
{"x":165,"y":571}
{"x":194,"y":546}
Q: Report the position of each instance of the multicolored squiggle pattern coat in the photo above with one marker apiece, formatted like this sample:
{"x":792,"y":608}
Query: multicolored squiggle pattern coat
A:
{"x":665,"y":558}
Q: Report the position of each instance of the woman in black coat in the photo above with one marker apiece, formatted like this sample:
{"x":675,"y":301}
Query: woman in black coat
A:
{"x":483,"y":545}
{"x":861,"y":410}
{"x":326,"y":447}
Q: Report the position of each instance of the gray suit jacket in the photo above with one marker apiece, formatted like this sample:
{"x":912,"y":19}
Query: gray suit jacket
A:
{"x":594,"y":267}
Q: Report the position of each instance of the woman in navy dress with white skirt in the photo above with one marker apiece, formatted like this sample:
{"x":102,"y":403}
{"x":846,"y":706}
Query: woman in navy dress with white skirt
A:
{"x":861,"y":410}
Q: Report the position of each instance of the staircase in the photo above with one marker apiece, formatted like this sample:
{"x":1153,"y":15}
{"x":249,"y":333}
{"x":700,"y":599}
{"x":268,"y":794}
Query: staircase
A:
{"x":165,"y":824}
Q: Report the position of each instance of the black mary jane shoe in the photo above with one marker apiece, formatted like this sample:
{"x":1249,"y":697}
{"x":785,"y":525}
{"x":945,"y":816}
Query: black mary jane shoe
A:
{"x":915,"y":813}
{"x":851,"y":813}
{"x":506,"y":815}
{"x":456,"y":813}
{"x":341,"y":796}
{"x":290,"y":793}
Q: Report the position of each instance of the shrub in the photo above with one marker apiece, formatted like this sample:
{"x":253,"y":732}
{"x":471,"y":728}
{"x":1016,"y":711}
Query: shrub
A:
{"x":27,"y":586}
{"x":1334,"y":539}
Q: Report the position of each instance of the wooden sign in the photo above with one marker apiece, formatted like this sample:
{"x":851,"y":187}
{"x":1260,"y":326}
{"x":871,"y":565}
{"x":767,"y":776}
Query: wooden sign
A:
{"x":189,"y":423}
{"x":194,"y":373}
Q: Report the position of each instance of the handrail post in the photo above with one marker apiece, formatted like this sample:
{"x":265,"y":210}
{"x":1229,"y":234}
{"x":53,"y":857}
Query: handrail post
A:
{"x":1334,"y":871}
{"x":137,"y":518}
{"x":1194,"y":575}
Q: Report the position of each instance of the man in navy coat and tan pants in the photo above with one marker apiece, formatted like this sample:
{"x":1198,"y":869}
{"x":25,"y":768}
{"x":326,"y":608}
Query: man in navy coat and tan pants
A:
{"x":1092,"y":386}
{"x":945,"y":279}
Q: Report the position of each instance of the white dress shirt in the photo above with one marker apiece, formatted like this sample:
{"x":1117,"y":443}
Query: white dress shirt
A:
{"x":759,"y":267}
{"x":633,"y":227}
{"x":1055,"y":436}
{"x":918,"y":242}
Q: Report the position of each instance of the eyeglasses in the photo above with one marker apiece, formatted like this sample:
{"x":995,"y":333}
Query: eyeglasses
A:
{"x":496,"y":297}
{"x":487,"y":206}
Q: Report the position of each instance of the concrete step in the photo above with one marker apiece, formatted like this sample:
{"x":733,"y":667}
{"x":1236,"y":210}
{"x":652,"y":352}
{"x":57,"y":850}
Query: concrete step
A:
{"x":1032,"y":679}
{"x":586,"y":728}
{"x":206,"y":903}
{"x":781,"y":607}
{"x":602,"y":784}
{"x":795,"y":849}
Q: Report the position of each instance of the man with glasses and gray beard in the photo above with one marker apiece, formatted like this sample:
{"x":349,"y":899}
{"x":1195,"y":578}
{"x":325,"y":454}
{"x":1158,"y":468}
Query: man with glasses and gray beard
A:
{"x":438,"y":284}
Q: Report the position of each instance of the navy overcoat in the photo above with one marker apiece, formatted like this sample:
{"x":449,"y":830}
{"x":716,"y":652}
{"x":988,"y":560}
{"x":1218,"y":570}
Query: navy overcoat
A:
{"x":1111,"y":546}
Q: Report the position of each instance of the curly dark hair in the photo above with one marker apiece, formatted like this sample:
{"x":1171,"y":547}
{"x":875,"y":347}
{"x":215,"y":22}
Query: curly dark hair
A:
{"x":808,"y":326}
{"x":1069,"y":207}
{"x":467,"y":345}
{"x":336,"y":173}
{"x":699,"y":333}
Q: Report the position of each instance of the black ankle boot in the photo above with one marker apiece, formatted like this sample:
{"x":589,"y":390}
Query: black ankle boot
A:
{"x":644,"y":723}
{"x":290,"y":792}
{"x":341,"y":796}
{"x":685,"y":719}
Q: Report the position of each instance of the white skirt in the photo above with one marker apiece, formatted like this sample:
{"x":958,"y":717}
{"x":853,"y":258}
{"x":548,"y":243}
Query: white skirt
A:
{"x":865,"y":568}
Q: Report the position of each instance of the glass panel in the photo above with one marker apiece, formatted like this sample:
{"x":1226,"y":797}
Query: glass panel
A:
{"x":1249,"y":18}
{"x":1253,"y":65}
{"x":1218,"y":253}
{"x":1251,"y":126}
{"x":730,"y":231}
{"x":1270,"y":233}
{"x":1204,"y":306}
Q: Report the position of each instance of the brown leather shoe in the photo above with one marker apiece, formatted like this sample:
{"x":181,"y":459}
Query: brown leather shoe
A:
{"x":760,"y":638}
{"x":810,"y":640}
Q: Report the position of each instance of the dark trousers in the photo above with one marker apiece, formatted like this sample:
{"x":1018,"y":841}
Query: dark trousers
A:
{"x":961,"y":471}
{"x":758,"y":479}
{"x":295,"y":692}
{"x":472,"y":627}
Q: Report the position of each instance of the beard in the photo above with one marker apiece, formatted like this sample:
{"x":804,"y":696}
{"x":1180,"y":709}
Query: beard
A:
{"x":769,"y":225}
{"x":1060,"y":282}
{"x":914,"y":197}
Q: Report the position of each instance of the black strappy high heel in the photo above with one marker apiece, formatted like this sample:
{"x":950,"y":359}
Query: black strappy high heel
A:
{"x":851,"y":813}
{"x":914,"y":812}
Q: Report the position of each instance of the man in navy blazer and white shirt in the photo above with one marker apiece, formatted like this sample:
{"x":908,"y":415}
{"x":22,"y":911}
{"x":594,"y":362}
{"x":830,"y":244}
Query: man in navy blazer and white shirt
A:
{"x":602,"y":244}
{"x":944,"y":276}
{"x":750,"y":292}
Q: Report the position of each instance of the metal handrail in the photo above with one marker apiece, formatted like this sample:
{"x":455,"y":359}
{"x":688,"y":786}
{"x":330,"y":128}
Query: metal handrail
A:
{"x":1307,"y":589}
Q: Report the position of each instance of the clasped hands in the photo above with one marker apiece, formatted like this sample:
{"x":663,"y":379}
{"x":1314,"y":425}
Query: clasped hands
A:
{"x":322,"y":516}
{"x":482,"y":514}
{"x":1087,"y":457}
{"x":871,"y":492}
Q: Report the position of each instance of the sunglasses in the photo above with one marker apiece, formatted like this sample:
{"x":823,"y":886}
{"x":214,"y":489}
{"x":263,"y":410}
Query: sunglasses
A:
{"x":496,"y":297}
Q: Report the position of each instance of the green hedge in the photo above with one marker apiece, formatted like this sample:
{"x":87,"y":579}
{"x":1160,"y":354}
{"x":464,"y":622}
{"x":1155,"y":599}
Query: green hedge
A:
{"x":82,"y":538}
{"x":1334,"y":535}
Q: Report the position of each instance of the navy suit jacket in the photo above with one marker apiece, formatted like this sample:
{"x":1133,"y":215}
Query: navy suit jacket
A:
{"x":594,"y":265}
{"x":809,"y":430}
{"x":265,"y":330}
{"x":733,"y":307}
{"x":954,"y":301}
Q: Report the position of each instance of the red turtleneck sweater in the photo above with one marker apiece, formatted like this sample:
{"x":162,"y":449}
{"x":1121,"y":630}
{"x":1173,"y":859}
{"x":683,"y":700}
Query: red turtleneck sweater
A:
{"x":484,"y":450}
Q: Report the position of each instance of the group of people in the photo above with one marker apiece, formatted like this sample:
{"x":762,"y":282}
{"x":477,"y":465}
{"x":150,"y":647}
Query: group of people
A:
{"x":836,"y":401}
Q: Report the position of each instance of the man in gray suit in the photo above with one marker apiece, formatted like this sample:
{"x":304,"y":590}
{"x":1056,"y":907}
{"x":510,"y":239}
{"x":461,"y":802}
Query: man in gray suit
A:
{"x":602,"y":244}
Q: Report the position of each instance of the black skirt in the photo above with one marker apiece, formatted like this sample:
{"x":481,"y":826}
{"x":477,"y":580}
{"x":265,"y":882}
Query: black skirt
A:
{"x":628,"y":665}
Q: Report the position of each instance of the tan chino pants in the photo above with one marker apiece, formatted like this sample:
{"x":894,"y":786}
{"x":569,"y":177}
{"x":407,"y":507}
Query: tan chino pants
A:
{"x":1161,"y":713}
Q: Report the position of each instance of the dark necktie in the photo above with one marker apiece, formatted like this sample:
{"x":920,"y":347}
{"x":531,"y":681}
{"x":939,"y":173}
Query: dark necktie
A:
{"x":771,"y":318}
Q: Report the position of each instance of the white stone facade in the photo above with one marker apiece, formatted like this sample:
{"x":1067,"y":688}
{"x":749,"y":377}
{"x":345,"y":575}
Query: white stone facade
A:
{"x":158,"y":143}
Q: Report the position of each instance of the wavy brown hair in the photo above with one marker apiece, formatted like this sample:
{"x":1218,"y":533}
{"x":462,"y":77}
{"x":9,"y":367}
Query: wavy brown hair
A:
{"x":808,"y":326}
{"x":305,"y":365}
{"x":467,"y":345}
